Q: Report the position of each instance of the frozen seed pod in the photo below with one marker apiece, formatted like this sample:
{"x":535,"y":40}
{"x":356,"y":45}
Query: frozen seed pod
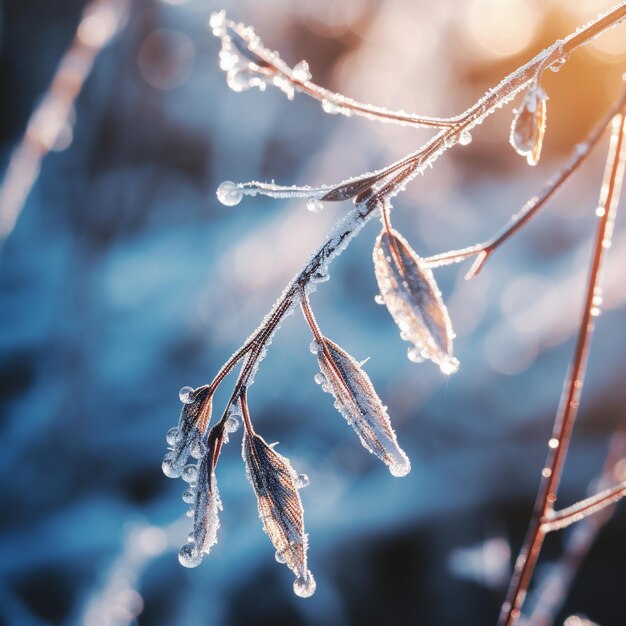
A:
{"x":413,"y":299}
{"x":529,"y":125}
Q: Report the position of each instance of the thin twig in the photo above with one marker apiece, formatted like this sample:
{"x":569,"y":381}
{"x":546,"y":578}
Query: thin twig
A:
{"x":568,"y":408}
{"x":531,"y":208}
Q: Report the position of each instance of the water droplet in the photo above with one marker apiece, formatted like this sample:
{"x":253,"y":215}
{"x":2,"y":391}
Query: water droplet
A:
{"x":378,"y":299}
{"x":187,"y":395}
{"x":400,"y":469}
{"x":279,"y":557}
{"x":190,"y":473}
{"x":314,"y":347}
{"x":414,"y":354}
{"x":229,"y":193}
{"x":189,"y":496}
{"x":232,"y":424}
{"x":553,"y":443}
{"x":314,"y":205}
{"x":465,"y":138}
{"x":319,"y":378}
{"x":404,"y":337}
{"x":172,"y":436}
{"x":198,"y":449}
{"x":595,"y":311}
{"x":546,"y":472}
{"x":301,"y":72}
{"x":302,"y":480}
{"x":188,"y":557}
{"x":170,"y":469}
{"x":449,"y":365}
{"x":304,"y":586}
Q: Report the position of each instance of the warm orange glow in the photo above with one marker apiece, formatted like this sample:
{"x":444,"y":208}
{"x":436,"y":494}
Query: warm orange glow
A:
{"x":502,"y":28}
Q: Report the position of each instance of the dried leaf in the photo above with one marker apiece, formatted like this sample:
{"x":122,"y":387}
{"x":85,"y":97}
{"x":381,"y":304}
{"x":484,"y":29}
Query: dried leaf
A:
{"x":529,"y":125}
{"x":349,"y":190}
{"x":357,"y":400}
{"x":275,"y":484}
{"x":413,"y":299}
{"x":186,"y":438}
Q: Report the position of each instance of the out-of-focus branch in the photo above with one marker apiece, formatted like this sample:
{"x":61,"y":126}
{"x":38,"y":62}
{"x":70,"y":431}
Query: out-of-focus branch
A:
{"x":100,"y":22}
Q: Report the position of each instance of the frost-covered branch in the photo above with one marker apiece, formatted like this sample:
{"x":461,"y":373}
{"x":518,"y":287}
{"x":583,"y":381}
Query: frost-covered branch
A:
{"x":406,"y":283}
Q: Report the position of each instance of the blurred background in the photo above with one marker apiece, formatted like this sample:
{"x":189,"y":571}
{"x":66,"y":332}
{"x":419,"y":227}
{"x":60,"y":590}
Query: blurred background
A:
{"x":123,"y":279}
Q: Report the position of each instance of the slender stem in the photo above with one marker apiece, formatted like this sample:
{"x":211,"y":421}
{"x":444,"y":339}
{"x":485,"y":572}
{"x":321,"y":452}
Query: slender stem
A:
{"x":568,"y":408}
{"x":531,"y":208}
{"x":244,"y":411}
{"x":311,"y":321}
{"x":550,"y":596}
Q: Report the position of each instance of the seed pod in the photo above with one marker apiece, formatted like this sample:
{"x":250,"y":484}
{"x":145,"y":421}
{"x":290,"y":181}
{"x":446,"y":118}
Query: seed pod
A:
{"x":529,"y":125}
{"x":275,"y":484}
{"x":357,"y":400}
{"x":412,"y":297}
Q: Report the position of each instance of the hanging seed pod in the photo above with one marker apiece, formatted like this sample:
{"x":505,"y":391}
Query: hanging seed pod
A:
{"x":275,"y":484}
{"x":357,"y":400}
{"x":529,"y":125}
{"x":412,"y":297}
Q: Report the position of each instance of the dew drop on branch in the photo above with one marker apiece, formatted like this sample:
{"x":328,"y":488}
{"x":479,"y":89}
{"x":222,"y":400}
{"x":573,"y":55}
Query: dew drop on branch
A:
{"x":314,"y":205}
{"x":229,"y":193}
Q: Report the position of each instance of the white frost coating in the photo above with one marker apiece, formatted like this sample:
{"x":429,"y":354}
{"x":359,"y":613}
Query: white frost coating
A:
{"x":359,"y":404}
{"x":414,"y":301}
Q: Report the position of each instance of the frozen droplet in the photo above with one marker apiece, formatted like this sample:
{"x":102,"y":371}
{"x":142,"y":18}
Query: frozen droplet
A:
{"x":414,"y":354}
{"x":595,"y":311}
{"x":171,"y":469}
{"x":229,"y":193}
{"x":189,"y":496}
{"x":330,"y":107}
{"x":465,"y":138}
{"x":172,"y":436}
{"x":232,"y":424}
{"x":187,"y":395}
{"x":449,"y":365}
{"x":404,"y":336}
{"x":188,"y":556}
{"x":301,"y":72}
{"x":319,"y":378}
{"x":314,"y":347}
{"x":301,"y":481}
{"x":198,"y":449}
{"x":190,"y":512}
{"x":314,"y":205}
{"x":304,"y":586}
{"x":400,"y":469}
{"x":378,"y":299}
{"x":190,"y":473}
{"x":553,"y":443}
{"x":279,"y":557}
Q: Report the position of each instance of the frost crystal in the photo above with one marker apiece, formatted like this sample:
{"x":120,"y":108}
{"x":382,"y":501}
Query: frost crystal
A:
{"x":275,"y":484}
{"x":358,"y":402}
{"x":414,"y":301}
